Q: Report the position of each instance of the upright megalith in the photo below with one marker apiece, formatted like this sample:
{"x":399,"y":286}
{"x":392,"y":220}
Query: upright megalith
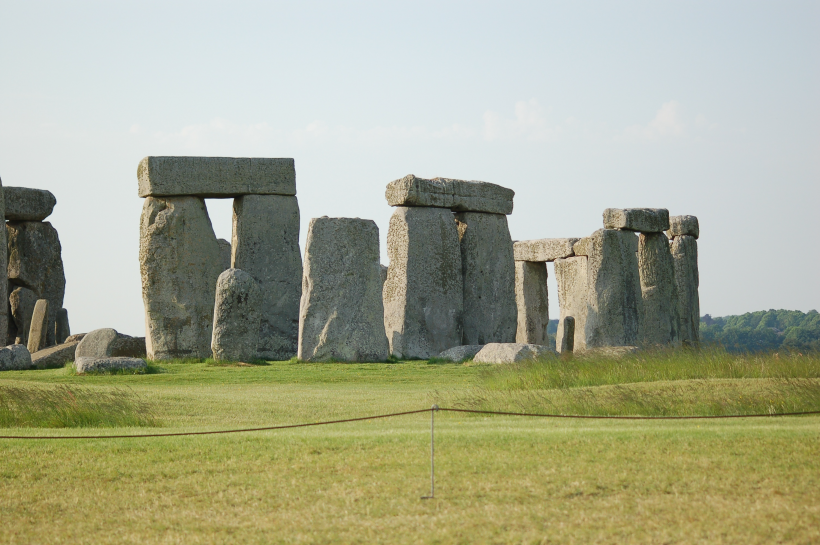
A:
{"x":532,"y":301}
{"x":661,"y":324}
{"x":573,"y":290}
{"x":225,"y":253}
{"x":61,"y":328}
{"x":685,"y":232}
{"x":39,"y":325}
{"x":566,"y":342}
{"x":488,"y":272}
{"x":236,"y":317}
{"x":341,"y":314}
{"x":423,"y":294}
{"x":22,"y":301}
{"x":5,"y":326}
{"x":266,"y":245}
{"x":180,"y":262}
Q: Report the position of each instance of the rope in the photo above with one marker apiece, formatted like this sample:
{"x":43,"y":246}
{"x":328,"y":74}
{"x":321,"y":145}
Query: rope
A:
{"x":595,"y":417}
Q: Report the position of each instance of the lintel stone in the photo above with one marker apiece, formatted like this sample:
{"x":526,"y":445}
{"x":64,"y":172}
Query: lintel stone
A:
{"x":457,"y":195}
{"x":544,"y":250}
{"x":27,"y":204}
{"x":645,"y":220}
{"x":678,"y":226}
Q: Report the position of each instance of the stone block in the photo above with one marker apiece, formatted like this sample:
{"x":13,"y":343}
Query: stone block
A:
{"x":126,"y":346}
{"x":684,"y":225}
{"x":236,"y":317}
{"x":76,"y":337}
{"x":457,"y":195}
{"x":544,"y":250}
{"x":383,"y":274}
{"x":6,"y":326}
{"x":532,"y":300}
{"x":21,"y":302}
{"x":610,"y":352}
{"x":15,"y":357}
{"x":423,"y":295}
{"x":62,"y":329}
{"x":342,"y":315}
{"x":488,"y":272}
{"x":645,"y":220}
{"x":26,"y":204}
{"x":685,"y":257}
{"x":215,"y":177}
{"x":661,"y":325}
{"x":511,"y":353}
{"x":225,"y":253}
{"x":460,"y":353}
{"x":266,"y":246}
{"x":98,"y":344}
{"x":97,"y":365}
{"x":37,"y":332}
{"x":180,"y":261}
{"x":566,"y":343}
{"x":54,"y":356}
{"x":571,"y":277}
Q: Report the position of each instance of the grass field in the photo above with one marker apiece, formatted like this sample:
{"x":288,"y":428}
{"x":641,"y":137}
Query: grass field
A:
{"x":499,"y":479}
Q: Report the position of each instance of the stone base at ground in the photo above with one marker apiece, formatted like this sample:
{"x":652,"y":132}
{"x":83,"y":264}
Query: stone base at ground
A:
{"x":532,"y":300}
{"x":571,"y":277}
{"x":93,"y":365}
{"x":511,"y":353}
{"x":236,"y":317}
{"x":610,"y":351}
{"x":15,"y":357}
{"x":460,"y":353}
{"x":55,"y":356}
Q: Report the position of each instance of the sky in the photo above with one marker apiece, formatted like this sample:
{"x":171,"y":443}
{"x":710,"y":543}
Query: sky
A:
{"x":704,"y":108}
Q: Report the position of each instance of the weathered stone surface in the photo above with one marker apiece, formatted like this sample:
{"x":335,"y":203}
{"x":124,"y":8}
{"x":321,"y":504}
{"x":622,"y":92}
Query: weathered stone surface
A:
{"x":645,"y":220}
{"x":614,"y":311}
{"x":571,"y":277}
{"x":610,"y":352}
{"x":98,"y":343}
{"x":54,"y":356}
{"x":225,"y":253}
{"x":488,"y":272}
{"x":342,"y":315}
{"x":61,"y":327}
{"x":511,"y":352}
{"x":126,"y":346}
{"x":544,"y":250}
{"x":92,"y":365}
{"x":423,"y":295}
{"x":460,"y":353}
{"x":532,"y":300}
{"x":383,"y":274}
{"x":5,"y":326}
{"x":457,"y":195}
{"x":37,"y":332}
{"x":27,"y":204}
{"x":179,"y":263}
{"x":266,"y":246}
{"x":685,"y":256}
{"x":15,"y":357}
{"x":22,"y":301}
{"x":215,"y":176}
{"x":76,"y":337}
{"x":684,"y":225}
{"x":35,"y":262}
{"x":236,"y":317}
{"x":661,"y":324}
{"x":566,"y":342}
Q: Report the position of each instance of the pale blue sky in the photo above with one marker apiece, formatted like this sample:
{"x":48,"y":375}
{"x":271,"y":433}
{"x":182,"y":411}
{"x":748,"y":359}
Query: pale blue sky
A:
{"x":705,"y":108}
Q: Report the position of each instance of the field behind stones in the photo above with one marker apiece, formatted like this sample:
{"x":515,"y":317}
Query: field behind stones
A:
{"x":499,"y":479}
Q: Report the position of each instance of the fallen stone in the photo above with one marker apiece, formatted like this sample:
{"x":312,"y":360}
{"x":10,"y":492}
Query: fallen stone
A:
{"x":76,"y":337}
{"x":684,"y":225}
{"x":21,"y":302}
{"x":511,"y":353}
{"x":459,"y":354}
{"x":61,"y":327}
{"x":26,"y":204}
{"x":180,"y":261}
{"x":544,"y":250}
{"x":15,"y":357}
{"x":266,"y":246}
{"x":54,"y":357}
{"x":236,"y":317}
{"x":457,"y":195}
{"x":423,"y":295}
{"x":96,"y":365}
{"x":565,"y":344}
{"x":532,"y":300}
{"x":37,"y":333}
{"x":661,"y":324}
{"x":98,"y":344}
{"x":126,"y":346}
{"x":224,"y":253}
{"x":488,"y":273}
{"x":215,"y":176}
{"x":645,"y":220}
{"x":571,"y":277}
{"x":342,"y":314}
{"x":685,"y":257}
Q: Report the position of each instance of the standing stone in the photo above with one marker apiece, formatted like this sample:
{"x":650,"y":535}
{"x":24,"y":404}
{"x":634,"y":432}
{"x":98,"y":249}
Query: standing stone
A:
{"x":532,"y":300}
{"x":423,"y":295}
{"x":383,"y":274}
{"x":62,"y":329}
{"x":488,"y":272}
{"x":236,"y":317}
{"x":27,"y":204}
{"x":39,"y":324}
{"x":266,"y":246}
{"x":571,"y":277}
{"x":566,"y":343}
{"x":661,"y":324}
{"x":685,"y":256}
{"x":224,"y":253}
{"x":341,"y":315}
{"x":179,"y":264}
{"x":4,"y":261}
{"x":22,"y":301}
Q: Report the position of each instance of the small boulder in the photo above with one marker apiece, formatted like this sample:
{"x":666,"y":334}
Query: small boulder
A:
{"x":15,"y":357}
{"x":460,"y":353}
{"x":97,"y":344}
{"x":55,"y":356}
{"x":511,"y":352}
{"x":88,"y":365}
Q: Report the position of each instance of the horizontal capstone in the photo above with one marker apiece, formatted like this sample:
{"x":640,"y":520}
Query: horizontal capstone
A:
{"x":457,"y":195}
{"x":645,"y":220}
{"x":27,"y":204}
{"x":544,"y":250}
{"x":684,"y":225}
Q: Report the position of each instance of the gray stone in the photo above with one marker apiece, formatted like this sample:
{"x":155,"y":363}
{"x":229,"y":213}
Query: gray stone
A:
{"x":383,"y":274}
{"x":126,"y":346}
{"x":215,"y":176}
{"x":685,"y":256}
{"x":532,"y":300}
{"x":684,"y":225}
{"x":488,"y":272}
{"x":37,"y":332}
{"x":15,"y":357}
{"x":98,"y":344}
{"x":457,"y":195}
{"x":96,"y":365}
{"x":544,"y":250}
{"x":342,"y":315}
{"x":54,"y":356}
{"x":22,"y":301}
{"x":571,"y":277}
{"x":565,"y":344}
{"x":423,"y":295}
{"x":180,"y":261}
{"x":236,"y":317}
{"x":35,"y":262}
{"x":61,"y":327}
{"x":459,"y":354}
{"x":5,"y":325}
{"x":645,"y":220}
{"x":76,"y":337}
{"x":26,"y":204}
{"x":661,"y":325}
{"x":610,"y":352}
{"x":511,"y":353}
{"x":266,"y":246}
{"x":225,"y":253}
